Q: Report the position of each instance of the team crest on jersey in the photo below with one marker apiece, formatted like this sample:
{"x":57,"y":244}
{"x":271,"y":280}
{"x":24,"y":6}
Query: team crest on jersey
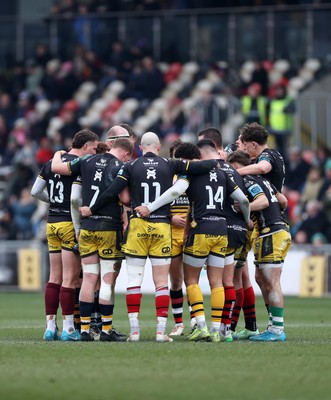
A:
{"x":212,"y":176}
{"x":151,"y":173}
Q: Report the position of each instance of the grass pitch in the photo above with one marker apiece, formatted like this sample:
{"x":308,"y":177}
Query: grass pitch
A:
{"x":33,"y":369}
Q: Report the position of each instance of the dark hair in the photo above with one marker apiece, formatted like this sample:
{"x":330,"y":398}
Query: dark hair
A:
{"x":124,"y":144}
{"x":187,"y":150}
{"x":83,"y":137}
{"x":230,"y":148}
{"x":101,"y":148}
{"x":130,"y":130}
{"x":213,"y":134}
{"x":240,"y":157}
{"x":254,"y":133}
{"x":173,"y":147}
{"x":205,"y":143}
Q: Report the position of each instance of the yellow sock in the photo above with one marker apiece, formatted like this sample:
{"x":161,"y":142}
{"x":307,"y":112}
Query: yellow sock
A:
{"x":85,"y":324}
{"x":107,"y":322}
{"x":217,"y":304}
{"x":196,"y":299}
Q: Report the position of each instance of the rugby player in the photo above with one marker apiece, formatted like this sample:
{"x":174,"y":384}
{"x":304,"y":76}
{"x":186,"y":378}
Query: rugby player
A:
{"x":64,"y":264}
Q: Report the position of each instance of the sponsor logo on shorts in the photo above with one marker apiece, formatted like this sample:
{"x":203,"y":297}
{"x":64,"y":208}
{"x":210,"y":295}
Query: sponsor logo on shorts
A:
{"x":165,"y":250}
{"x":107,"y":252}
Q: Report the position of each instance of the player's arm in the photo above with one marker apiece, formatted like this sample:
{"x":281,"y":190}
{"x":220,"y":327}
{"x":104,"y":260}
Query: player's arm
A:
{"x":244,"y":205}
{"x":59,"y":167}
{"x":110,"y":193}
{"x":75,"y":203}
{"x":39,"y":190}
{"x":125,"y":197}
{"x":282,"y":200}
{"x":193,"y":167}
{"x":167,"y":197}
{"x":257,"y":197}
{"x":260,"y":168}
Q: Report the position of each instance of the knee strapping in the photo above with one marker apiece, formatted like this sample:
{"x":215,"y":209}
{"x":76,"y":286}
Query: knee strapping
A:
{"x":106,"y":289}
{"x":135,"y":271}
{"x":91,"y":268}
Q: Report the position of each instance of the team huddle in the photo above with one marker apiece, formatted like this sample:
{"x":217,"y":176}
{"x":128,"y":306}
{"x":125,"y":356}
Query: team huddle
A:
{"x":204,"y":207}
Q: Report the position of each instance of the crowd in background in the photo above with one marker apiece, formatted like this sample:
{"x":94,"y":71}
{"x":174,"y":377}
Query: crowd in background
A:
{"x":26,"y":142}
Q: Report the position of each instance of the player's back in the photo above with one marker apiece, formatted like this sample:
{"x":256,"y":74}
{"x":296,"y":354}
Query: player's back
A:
{"x":207,"y":194}
{"x":97,"y":173}
{"x":149,"y":176}
{"x":59,"y":191}
{"x":277,"y":174}
{"x":270,"y":219}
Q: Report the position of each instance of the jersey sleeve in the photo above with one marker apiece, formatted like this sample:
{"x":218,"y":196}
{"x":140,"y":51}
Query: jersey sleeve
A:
{"x":254,"y":190}
{"x":265,"y":156}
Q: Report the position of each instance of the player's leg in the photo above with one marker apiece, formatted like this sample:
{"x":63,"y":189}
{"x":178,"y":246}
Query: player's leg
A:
{"x":176,"y":293}
{"x":135,"y":270}
{"x":91,"y":270}
{"x":52,"y":290}
{"x":108,"y":274}
{"x":270,"y":265}
{"x":230,"y":296}
{"x":67,"y":295}
{"x":217,"y":299}
{"x":238,"y":286}
{"x":159,"y":252}
{"x":196,"y":251}
{"x":160,"y":272}
{"x":191,"y":279}
{"x":52,"y":296}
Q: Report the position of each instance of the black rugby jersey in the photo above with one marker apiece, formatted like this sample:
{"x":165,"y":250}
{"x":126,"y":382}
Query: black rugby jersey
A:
{"x":236,"y":224}
{"x":277,"y":174}
{"x":207,"y":194}
{"x":270,"y":219}
{"x":148,"y":177}
{"x":97,"y":172}
{"x":59,"y":191}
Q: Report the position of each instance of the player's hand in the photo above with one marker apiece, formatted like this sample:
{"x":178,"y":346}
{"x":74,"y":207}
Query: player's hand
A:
{"x":142,"y":211}
{"x":178,"y":220}
{"x":250,"y":225}
{"x":236,"y":206}
{"x":85,"y":211}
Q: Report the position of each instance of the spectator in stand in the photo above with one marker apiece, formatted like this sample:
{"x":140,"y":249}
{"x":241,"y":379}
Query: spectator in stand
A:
{"x":312,"y":186}
{"x":104,"y":6}
{"x":260,"y":76}
{"x":34,"y":76}
{"x":49,"y":81}
{"x":22,"y":211}
{"x":44,"y":153}
{"x":313,"y":221}
{"x":66,"y":82}
{"x":281,"y":108}
{"x":254,"y":105}
{"x":85,"y":28}
{"x":120,"y":60}
{"x":297,"y":169}
{"x":3,"y":135}
{"x":7,"y":109}
{"x":152,"y":77}
{"x":70,"y":124}
{"x":18,"y":79}
{"x":41,"y":55}
{"x":327,"y":179}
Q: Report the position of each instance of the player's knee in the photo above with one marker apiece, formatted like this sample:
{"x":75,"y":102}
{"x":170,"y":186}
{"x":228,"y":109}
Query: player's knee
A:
{"x":91,"y":268}
{"x":135,"y":270}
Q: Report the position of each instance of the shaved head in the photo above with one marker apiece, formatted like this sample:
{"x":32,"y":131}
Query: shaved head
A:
{"x":117,"y":132}
{"x":149,"y":139}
